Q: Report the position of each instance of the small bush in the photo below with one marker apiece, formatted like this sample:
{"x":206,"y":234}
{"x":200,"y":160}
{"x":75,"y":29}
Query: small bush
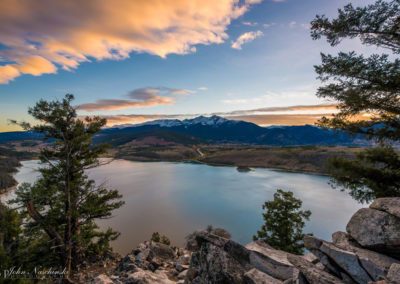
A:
{"x":156,"y":237}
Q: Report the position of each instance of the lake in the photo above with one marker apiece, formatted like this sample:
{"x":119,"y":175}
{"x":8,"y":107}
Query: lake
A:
{"x":177,"y":198}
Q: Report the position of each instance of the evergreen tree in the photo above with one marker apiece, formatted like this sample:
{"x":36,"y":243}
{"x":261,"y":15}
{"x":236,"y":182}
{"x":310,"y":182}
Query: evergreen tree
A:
{"x":64,"y":203}
{"x":364,"y":87}
{"x":10,"y":230}
{"x":284,"y":222}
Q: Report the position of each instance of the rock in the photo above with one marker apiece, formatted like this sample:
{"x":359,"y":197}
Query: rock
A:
{"x":214,"y":265}
{"x":342,"y":239}
{"x":127,"y":263}
{"x":313,"y":244}
{"x":143,"y":255}
{"x":298,"y":278}
{"x":102,"y":279}
{"x":181,"y":267}
{"x":255,"y":276}
{"x":275,"y":255}
{"x":148,"y":277}
{"x":190,"y":275}
{"x":182,"y":275}
{"x":311,"y":258}
{"x":377,"y":265}
{"x":389,"y":205}
{"x":269,"y":260}
{"x":220,"y":260}
{"x":182,"y":263}
{"x":376,"y":230}
{"x":346,"y":260}
{"x":311,"y":273}
{"x":393,"y":275}
{"x":161,"y":251}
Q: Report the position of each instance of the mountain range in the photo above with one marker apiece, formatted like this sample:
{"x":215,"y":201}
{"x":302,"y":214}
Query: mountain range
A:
{"x":214,"y":129}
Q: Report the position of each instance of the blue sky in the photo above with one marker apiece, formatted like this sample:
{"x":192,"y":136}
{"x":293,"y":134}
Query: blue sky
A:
{"x":274,"y":69}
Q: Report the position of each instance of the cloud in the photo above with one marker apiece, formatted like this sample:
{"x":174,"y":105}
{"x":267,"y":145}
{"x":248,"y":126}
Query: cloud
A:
{"x":203,"y":88}
{"x":292,"y":24}
{"x":245,"y":38}
{"x":251,"y":24}
{"x":143,"y":97}
{"x":287,"y":115}
{"x":39,"y":37}
{"x":298,"y":109}
{"x":279,"y":119}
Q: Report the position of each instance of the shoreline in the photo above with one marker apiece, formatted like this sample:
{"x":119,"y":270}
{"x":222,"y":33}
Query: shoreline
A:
{"x":10,"y":189}
{"x":225,"y":165}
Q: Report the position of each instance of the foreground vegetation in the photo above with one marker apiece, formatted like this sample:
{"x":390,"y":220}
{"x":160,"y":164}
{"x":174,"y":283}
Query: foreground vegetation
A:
{"x":364,"y":86}
{"x":59,"y":210}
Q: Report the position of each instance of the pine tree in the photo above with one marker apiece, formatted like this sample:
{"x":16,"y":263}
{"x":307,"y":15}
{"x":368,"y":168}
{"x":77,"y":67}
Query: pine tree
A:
{"x":64,"y":203}
{"x":364,"y":87}
{"x":284,"y":222}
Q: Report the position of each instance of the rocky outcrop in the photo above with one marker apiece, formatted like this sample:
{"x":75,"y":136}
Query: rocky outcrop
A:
{"x":311,"y":273}
{"x":367,"y":253}
{"x":221,"y":260}
{"x":150,"y":262}
{"x":377,"y":227}
{"x":376,"y":230}
{"x":390,"y":205}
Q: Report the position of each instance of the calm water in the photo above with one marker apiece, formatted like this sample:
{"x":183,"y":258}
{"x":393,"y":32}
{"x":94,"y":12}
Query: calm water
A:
{"x":178,"y":198}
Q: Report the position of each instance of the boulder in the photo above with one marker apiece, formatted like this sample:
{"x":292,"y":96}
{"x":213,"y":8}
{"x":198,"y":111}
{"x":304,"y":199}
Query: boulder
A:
{"x":376,"y":230}
{"x":161,"y":251}
{"x":393,"y":275}
{"x":313,"y":244}
{"x":311,"y":273}
{"x":389,"y":205}
{"x":255,"y":276}
{"x":148,"y":277}
{"x":220,"y":259}
{"x":377,"y":265}
{"x":346,"y":260}
{"x":276,"y":256}
{"x":269,"y":260}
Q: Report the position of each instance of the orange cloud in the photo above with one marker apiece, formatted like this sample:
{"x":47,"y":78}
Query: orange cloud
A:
{"x":144,"y":97}
{"x":44,"y":35}
{"x":265,"y":119}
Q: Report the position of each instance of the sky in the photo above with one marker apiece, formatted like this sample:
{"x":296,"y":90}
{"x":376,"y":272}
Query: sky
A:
{"x":132,"y":61}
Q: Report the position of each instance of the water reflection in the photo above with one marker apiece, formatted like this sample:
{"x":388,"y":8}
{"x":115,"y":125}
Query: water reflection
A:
{"x":177,"y":198}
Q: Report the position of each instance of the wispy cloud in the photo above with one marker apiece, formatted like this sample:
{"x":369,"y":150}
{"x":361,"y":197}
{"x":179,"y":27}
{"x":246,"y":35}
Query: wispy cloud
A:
{"x":288,"y":115}
{"x":251,"y":24}
{"x":245,"y":38}
{"x":143,"y":97}
{"x":44,"y":35}
{"x":203,"y":88}
{"x":292,"y":24}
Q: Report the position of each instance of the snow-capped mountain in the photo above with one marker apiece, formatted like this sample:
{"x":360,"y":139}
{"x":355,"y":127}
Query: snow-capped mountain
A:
{"x":215,"y":129}
{"x":201,"y":120}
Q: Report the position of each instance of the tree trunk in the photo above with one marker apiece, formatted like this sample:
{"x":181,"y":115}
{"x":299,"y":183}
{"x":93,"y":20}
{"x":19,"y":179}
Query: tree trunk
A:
{"x":68,"y":229}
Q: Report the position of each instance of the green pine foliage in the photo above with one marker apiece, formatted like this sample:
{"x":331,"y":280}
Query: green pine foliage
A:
{"x":156,"y":237}
{"x":364,"y":86}
{"x":284,"y":223}
{"x":63,"y":204}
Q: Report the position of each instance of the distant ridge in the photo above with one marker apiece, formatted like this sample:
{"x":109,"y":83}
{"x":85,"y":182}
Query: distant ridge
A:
{"x":216,"y":129}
